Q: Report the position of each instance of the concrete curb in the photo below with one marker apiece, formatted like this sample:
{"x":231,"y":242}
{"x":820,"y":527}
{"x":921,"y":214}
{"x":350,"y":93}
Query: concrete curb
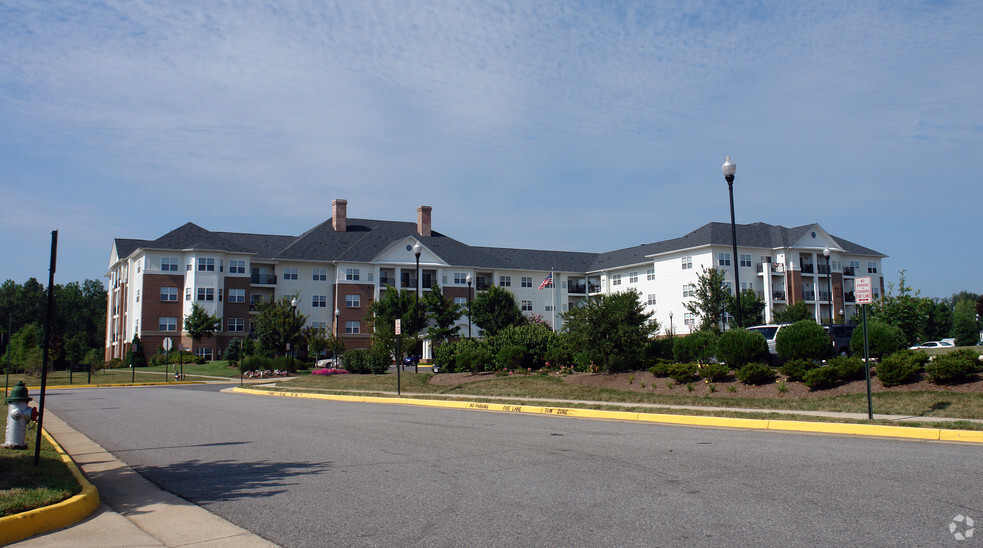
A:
{"x":57,"y":516}
{"x":875,"y":430}
{"x":113,"y":385}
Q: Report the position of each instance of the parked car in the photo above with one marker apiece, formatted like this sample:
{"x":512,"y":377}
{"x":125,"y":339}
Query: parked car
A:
{"x":770,"y":333}
{"x":932,"y":344}
{"x":841,"y":334}
{"x":328,"y":363}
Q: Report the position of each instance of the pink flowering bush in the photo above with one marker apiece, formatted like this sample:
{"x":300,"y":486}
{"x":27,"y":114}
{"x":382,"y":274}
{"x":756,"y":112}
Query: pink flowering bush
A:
{"x":329,"y":371}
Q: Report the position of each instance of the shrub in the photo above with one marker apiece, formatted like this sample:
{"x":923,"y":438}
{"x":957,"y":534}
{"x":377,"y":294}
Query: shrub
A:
{"x":755,"y":373}
{"x":805,"y":339}
{"x":661,"y":367}
{"x":682,"y":372}
{"x":714,"y":372}
{"x":821,"y":377}
{"x":618,"y":363}
{"x":848,"y":369}
{"x":795,"y":369}
{"x":901,"y":367}
{"x":882,"y":339}
{"x":656,"y":349}
{"x":445,"y":357}
{"x":256,"y":363}
{"x":284,"y":363}
{"x":534,"y":339}
{"x":475,"y":359}
{"x":511,"y":357}
{"x":953,"y":367}
{"x":696,"y":347}
{"x":740,"y":346}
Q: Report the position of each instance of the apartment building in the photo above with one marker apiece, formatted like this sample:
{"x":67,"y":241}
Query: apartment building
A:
{"x":336,"y":269}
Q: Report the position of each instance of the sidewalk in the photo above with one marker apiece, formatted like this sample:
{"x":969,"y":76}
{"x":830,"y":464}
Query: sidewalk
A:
{"x":134,"y":512}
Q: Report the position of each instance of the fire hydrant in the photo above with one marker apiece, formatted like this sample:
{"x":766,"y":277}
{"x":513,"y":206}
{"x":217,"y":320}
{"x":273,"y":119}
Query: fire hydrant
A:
{"x":18,"y":415}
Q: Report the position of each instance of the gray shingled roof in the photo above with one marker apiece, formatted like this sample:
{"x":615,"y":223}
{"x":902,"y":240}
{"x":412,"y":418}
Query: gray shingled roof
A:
{"x":365,"y":239}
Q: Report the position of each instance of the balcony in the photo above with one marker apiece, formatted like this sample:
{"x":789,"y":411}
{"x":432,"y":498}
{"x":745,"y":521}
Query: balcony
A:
{"x":576,"y":288}
{"x":824,"y":296}
{"x":772,"y":267}
{"x":806,"y":268}
{"x":822,"y":269}
{"x":778,"y":295}
{"x":482,"y":285}
{"x":386,"y":281}
{"x":849,"y":297}
{"x":849,"y":271}
{"x":594,"y":288}
{"x":263,"y":279}
{"x":809,"y":295}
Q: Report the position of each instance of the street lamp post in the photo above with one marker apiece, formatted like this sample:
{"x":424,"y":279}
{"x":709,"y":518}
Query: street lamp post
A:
{"x":728,"y":169}
{"x":417,"y":248}
{"x":469,"y":280}
{"x":293,"y":307}
{"x":337,"y":334}
{"x":829,"y":284}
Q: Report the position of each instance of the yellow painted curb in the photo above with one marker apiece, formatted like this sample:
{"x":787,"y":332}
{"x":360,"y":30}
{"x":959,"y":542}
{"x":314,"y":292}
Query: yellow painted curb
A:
{"x":876,"y":430}
{"x":49,"y":518}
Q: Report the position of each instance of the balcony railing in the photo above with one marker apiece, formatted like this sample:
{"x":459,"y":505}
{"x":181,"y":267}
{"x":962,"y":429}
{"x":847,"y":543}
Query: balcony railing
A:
{"x":849,"y":297}
{"x":809,"y":295}
{"x":482,"y":286}
{"x":849,"y":270}
{"x":807,"y":268}
{"x":595,"y":288}
{"x":824,"y":295}
{"x":822,"y":269}
{"x":778,"y":295}
{"x":263,"y":279}
{"x":772,"y":267}
{"x":576,"y":288}
{"x":385,"y":280}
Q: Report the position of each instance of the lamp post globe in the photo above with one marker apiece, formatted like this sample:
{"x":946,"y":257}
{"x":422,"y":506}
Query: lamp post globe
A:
{"x":729,"y":168}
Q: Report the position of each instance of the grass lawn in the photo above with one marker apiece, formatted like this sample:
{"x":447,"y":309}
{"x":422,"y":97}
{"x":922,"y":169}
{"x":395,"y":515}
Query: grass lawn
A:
{"x":124,"y":375}
{"x":24,"y":486}
{"x":964,"y":405}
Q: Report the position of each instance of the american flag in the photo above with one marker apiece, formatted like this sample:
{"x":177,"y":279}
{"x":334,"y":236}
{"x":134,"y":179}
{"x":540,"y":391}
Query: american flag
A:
{"x":548,"y":282}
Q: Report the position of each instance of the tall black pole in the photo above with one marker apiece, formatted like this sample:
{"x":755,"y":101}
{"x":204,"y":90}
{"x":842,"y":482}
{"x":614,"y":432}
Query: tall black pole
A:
{"x":733,"y":235}
{"x":469,"y":306}
{"x":416,"y":314}
{"x":44,"y":352}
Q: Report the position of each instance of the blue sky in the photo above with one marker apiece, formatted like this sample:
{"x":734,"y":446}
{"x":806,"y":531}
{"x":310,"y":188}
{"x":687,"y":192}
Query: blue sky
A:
{"x":548,"y":125}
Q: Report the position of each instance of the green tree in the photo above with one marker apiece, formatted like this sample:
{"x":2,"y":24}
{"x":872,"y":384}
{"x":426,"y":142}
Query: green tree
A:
{"x":805,"y":340}
{"x":610,"y":328}
{"x":938,"y":324}
{"x":200,"y":324}
{"x":711,"y":299}
{"x":964,"y":326}
{"x":494,"y":310}
{"x":394,"y":304}
{"x":792,"y":313}
{"x":136,"y":356}
{"x":277,"y":324}
{"x":905,"y":310}
{"x":752,"y":308}
{"x":443,"y":314}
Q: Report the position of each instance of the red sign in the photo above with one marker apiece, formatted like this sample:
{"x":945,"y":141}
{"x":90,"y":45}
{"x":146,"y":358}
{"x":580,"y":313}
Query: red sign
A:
{"x":862,"y":290}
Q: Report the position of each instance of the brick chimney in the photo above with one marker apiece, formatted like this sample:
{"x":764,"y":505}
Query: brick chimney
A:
{"x":339,"y":215}
{"x":423,"y":220}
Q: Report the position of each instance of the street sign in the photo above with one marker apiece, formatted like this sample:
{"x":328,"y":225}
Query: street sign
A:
{"x":399,"y":329}
{"x":862,"y":290}
{"x":168,"y":344}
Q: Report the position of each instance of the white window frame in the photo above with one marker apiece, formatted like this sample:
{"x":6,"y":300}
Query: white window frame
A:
{"x":291,"y":273}
{"x":236,"y":325}
{"x":352,"y":274}
{"x":353,"y":301}
{"x":167,"y":323}
{"x":237,"y":295}
{"x":168,"y":296}
{"x":650,"y":274}
{"x":744,"y":259}
{"x":206,"y":294}
{"x":352,"y":327}
{"x":616,"y":279}
{"x":206,"y":264}
{"x":168,"y":264}
{"x":633,"y":277}
{"x":723,"y":259}
{"x":320,"y":274}
{"x":525,"y":306}
{"x":687,"y":262}
{"x":526,"y":281}
{"x":319,"y":301}
{"x":651,"y":299}
{"x":237,"y":267}
{"x":460,"y":278}
{"x":505,"y":281}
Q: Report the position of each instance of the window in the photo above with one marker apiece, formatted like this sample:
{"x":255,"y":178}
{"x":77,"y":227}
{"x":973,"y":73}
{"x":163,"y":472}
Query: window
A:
{"x":461,"y":301}
{"x":616,"y":279}
{"x":633,"y":277}
{"x":206,"y":294}
{"x":289,"y":273}
{"x":139,"y":265}
{"x":187,"y":293}
{"x":460,"y":278}
{"x":689,"y":320}
{"x":745,"y":260}
{"x":221,"y":265}
{"x":204,"y":352}
{"x":687,"y":263}
{"x":505,"y":281}
{"x":352,"y":301}
{"x":320,"y":325}
{"x":747,"y":285}
{"x":236,"y":324}
{"x":527,"y":281}
{"x":237,"y":295}
{"x":351,"y":274}
{"x":650,"y":274}
{"x":320,"y":274}
{"x":352,"y":327}
{"x":723,"y":259}
{"x":319,"y":301}
{"x":526,"y":306}
{"x":871,"y":268}
{"x":168,"y":264}
{"x":220,"y":294}
{"x":651,"y":299}
{"x":167,"y":323}
{"x":138,"y":295}
{"x":549,"y":308}
{"x":206,"y":265}
{"x":689,"y":290}
{"x":237,"y":267}
{"x":168,"y":294}
{"x":729,"y":286}
{"x":136,"y":329}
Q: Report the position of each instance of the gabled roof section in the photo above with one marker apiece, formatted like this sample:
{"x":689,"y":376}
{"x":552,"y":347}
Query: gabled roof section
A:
{"x":123,"y":247}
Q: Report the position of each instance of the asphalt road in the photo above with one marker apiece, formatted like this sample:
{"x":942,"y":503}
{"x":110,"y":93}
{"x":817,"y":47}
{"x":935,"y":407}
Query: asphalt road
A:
{"x":317,"y":473}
